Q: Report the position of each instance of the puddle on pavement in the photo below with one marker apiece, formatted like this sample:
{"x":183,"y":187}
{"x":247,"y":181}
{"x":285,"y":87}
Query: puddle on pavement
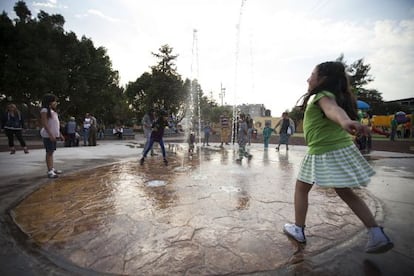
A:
{"x":156,"y":183}
{"x":219,"y":217}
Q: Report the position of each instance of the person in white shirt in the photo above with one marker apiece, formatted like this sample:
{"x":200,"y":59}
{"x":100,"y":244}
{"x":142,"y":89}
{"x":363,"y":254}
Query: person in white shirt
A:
{"x":50,"y":131}
{"x":87,"y":122}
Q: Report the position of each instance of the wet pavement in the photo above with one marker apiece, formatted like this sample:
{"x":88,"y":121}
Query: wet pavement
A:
{"x":201,"y":215}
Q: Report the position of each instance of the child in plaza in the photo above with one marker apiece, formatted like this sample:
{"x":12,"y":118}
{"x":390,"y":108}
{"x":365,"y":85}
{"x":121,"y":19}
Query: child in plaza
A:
{"x":225,"y":129}
{"x":147,"y":122}
{"x":191,"y":143}
{"x":267,"y":133}
{"x":50,"y":131}
{"x":207,"y":131}
{"x":242,"y":138}
{"x":157,"y":135}
{"x":332,"y":159}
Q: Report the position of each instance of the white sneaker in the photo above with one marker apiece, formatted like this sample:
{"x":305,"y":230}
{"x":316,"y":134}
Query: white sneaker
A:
{"x":52,"y":174}
{"x":378,"y":242}
{"x":295,"y":232}
{"x":57,"y":171}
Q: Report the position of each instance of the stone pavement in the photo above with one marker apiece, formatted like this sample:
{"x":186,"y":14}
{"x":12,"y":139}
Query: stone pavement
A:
{"x":201,"y":215}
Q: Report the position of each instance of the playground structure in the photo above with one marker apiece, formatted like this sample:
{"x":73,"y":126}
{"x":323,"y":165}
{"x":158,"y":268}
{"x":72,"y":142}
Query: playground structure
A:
{"x":381,"y":124}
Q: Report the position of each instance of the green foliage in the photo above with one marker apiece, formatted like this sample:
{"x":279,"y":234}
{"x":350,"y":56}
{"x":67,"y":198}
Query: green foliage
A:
{"x":359,"y":77}
{"x":37,"y":56}
{"x":296,"y":114}
{"x":358,"y":73}
{"x":22,"y":11}
{"x":216,"y":111}
{"x":163,"y":88}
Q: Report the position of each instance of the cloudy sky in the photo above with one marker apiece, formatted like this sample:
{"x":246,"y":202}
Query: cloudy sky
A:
{"x":260,"y":51}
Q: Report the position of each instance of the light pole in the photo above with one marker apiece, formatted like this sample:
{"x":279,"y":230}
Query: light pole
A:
{"x":222,"y":93}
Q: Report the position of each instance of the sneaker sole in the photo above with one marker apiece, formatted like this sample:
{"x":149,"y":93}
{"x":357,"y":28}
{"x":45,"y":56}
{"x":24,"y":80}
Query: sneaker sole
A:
{"x":292,"y":237}
{"x":381,"y":249}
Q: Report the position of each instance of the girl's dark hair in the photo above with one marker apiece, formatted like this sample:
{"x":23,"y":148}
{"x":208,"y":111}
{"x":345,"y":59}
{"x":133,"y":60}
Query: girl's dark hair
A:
{"x":47,"y":99}
{"x":336,"y":81}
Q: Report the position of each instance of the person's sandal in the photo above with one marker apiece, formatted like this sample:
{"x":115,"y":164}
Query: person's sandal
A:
{"x":12,"y":151}
{"x":25,"y":150}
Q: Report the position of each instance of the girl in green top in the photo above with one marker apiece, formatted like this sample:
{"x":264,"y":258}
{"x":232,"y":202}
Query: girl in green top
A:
{"x":332,"y":159}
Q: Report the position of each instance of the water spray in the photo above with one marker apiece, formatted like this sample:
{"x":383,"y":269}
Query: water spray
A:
{"x":234,"y":123}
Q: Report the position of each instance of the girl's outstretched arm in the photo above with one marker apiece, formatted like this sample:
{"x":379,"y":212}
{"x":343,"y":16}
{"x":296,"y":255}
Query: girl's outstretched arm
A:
{"x":339,"y":116}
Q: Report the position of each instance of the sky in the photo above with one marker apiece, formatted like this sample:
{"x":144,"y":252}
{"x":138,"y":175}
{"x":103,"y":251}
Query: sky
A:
{"x":255,"y":51}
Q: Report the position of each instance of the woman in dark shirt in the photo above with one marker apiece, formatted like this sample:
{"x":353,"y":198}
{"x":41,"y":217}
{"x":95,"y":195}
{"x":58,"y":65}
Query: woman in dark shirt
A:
{"x":157,"y":134}
{"x":13,"y":123}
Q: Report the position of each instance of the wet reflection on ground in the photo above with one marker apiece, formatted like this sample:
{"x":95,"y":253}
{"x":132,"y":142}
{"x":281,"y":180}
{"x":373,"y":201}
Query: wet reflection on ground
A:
{"x":216,"y":217}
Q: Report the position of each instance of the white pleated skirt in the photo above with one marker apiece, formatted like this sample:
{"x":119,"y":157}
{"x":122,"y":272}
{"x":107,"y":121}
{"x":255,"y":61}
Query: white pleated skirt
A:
{"x":342,"y":168}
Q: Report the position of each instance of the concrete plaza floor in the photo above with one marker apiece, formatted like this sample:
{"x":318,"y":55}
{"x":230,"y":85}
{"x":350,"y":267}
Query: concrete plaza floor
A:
{"x":201,"y":215}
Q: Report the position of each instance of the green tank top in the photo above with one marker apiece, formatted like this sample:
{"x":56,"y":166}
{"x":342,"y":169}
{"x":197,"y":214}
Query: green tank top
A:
{"x":322,"y":134}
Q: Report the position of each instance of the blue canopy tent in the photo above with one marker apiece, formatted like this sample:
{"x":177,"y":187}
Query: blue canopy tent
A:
{"x":362,"y":105}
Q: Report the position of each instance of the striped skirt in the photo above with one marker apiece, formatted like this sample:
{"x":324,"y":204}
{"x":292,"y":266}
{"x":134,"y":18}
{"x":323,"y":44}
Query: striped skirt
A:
{"x":340,"y":168}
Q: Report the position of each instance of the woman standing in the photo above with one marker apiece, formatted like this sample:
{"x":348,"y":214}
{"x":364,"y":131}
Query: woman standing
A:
{"x":286,"y":129}
{"x":13,"y":123}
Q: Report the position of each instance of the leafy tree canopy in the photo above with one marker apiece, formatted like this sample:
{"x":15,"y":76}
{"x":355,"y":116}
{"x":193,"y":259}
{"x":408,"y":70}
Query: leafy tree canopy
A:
{"x":37,"y":57}
{"x":359,"y":77}
{"x":163,"y":88}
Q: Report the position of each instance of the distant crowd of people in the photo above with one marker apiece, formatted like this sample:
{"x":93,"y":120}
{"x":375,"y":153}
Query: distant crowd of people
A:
{"x":89,"y":130}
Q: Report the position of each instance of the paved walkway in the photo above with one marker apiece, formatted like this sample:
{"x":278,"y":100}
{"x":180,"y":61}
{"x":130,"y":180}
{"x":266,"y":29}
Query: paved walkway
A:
{"x":201,"y":215}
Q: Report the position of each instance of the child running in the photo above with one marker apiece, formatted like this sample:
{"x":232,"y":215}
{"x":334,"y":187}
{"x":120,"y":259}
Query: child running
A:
{"x":50,"y":131}
{"x":157,"y":135}
{"x":332,"y":159}
{"x":267,"y":133}
{"x":191,"y":143}
{"x":242,"y":139}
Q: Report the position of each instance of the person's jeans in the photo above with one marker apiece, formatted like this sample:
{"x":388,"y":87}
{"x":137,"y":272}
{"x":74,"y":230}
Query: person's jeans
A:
{"x":147,"y":134}
{"x":151,"y":143}
{"x":85,"y":136}
{"x":71,"y":140}
{"x":206,"y":138}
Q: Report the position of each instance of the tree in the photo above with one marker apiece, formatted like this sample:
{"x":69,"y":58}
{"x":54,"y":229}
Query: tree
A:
{"x":168,"y":89}
{"x":296,"y":114}
{"x":163,"y":88}
{"x":22,"y":12}
{"x":359,"y":77}
{"x":358,"y":73}
{"x":38,"y":57}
